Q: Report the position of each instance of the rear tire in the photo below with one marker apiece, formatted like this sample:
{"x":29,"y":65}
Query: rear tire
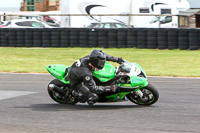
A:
{"x":150,"y":97}
{"x":57,"y":97}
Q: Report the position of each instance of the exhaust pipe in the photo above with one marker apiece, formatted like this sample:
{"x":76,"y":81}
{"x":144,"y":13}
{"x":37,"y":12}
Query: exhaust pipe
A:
{"x":57,"y":89}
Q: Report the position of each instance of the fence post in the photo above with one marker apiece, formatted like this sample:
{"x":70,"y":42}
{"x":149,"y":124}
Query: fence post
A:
{"x":159,"y":21}
{"x":4,"y":17}
{"x":69,"y":21}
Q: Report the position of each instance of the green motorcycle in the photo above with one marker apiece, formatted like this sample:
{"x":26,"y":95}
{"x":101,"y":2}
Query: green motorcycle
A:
{"x":130,"y":78}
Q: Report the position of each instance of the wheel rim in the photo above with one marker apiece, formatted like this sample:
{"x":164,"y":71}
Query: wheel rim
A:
{"x":148,"y":97}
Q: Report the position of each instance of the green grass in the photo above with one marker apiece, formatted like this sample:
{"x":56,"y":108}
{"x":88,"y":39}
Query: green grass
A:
{"x":154,"y":62}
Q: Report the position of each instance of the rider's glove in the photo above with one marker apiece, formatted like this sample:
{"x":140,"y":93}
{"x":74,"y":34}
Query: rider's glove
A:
{"x":112,"y":88}
{"x":100,"y":90}
{"x":120,"y":60}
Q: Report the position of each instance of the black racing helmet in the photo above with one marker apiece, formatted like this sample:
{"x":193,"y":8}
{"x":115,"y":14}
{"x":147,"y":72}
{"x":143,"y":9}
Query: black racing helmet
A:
{"x":97,"y":58}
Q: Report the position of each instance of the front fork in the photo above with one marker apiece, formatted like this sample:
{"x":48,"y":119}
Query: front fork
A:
{"x":138,"y":92}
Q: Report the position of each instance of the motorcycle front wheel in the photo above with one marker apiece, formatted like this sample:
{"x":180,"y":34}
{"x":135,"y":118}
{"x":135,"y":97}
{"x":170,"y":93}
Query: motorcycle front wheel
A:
{"x":150,"y":96}
{"x":68,"y":99}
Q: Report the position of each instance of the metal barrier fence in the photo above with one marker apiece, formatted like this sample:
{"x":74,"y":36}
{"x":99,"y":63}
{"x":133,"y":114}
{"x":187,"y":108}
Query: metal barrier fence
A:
{"x":152,"y":38}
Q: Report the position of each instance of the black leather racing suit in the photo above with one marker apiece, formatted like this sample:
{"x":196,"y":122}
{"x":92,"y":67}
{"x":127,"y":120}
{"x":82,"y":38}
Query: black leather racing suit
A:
{"x":80,"y":76}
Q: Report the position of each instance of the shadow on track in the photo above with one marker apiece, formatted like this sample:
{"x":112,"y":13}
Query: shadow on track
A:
{"x":78,"y":107}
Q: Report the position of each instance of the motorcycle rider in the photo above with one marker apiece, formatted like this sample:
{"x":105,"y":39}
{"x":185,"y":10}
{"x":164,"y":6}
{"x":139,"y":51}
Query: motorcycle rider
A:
{"x":80,"y":75}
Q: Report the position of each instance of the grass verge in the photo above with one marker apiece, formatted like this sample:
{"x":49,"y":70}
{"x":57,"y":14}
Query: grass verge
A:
{"x":154,"y":62}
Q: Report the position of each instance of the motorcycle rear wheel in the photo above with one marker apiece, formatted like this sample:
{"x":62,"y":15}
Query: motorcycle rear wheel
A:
{"x":150,"y":96}
{"x":57,"y":97}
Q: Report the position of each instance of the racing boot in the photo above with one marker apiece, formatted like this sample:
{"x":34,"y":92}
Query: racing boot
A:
{"x":93,"y":98}
{"x":90,"y":97}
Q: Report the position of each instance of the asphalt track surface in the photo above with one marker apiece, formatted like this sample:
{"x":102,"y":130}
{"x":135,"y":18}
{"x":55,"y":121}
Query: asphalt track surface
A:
{"x":25,"y":107}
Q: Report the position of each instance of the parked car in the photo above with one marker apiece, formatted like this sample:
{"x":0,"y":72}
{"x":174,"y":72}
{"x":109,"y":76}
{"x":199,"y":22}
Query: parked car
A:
{"x":108,"y":25}
{"x":4,"y":23}
{"x":46,"y":19}
{"x":19,"y":23}
{"x":51,"y":21}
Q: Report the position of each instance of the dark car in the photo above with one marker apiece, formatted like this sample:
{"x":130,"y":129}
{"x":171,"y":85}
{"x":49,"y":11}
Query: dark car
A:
{"x":108,"y":25}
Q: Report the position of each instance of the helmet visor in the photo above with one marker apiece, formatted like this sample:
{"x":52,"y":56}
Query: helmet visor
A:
{"x":101,"y":63}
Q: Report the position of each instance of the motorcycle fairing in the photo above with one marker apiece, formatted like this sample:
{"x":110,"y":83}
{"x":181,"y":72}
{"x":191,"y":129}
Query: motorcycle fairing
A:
{"x":140,"y":79}
{"x":105,"y":74}
{"x":138,"y":82}
{"x":137,"y":75}
{"x":59,"y":71}
{"x":116,"y":97}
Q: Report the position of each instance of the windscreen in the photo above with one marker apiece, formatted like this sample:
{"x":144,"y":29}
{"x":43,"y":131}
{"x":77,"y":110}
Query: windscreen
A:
{"x":126,"y":68}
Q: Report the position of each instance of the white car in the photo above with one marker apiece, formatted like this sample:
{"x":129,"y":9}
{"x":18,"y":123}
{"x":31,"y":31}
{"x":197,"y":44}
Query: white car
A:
{"x":19,"y":23}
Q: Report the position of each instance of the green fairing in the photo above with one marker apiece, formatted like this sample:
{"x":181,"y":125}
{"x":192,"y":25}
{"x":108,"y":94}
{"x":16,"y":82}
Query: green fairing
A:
{"x":117,"y":97}
{"x":137,"y":65}
{"x":138,"y":82}
{"x":105,"y":74}
{"x":58,"y":71}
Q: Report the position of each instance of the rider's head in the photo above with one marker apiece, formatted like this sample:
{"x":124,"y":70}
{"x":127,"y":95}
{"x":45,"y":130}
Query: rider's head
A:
{"x":97,"y":58}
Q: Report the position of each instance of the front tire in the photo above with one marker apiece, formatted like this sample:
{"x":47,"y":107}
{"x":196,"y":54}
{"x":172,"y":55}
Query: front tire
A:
{"x":150,"y":96}
{"x":57,"y":97}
